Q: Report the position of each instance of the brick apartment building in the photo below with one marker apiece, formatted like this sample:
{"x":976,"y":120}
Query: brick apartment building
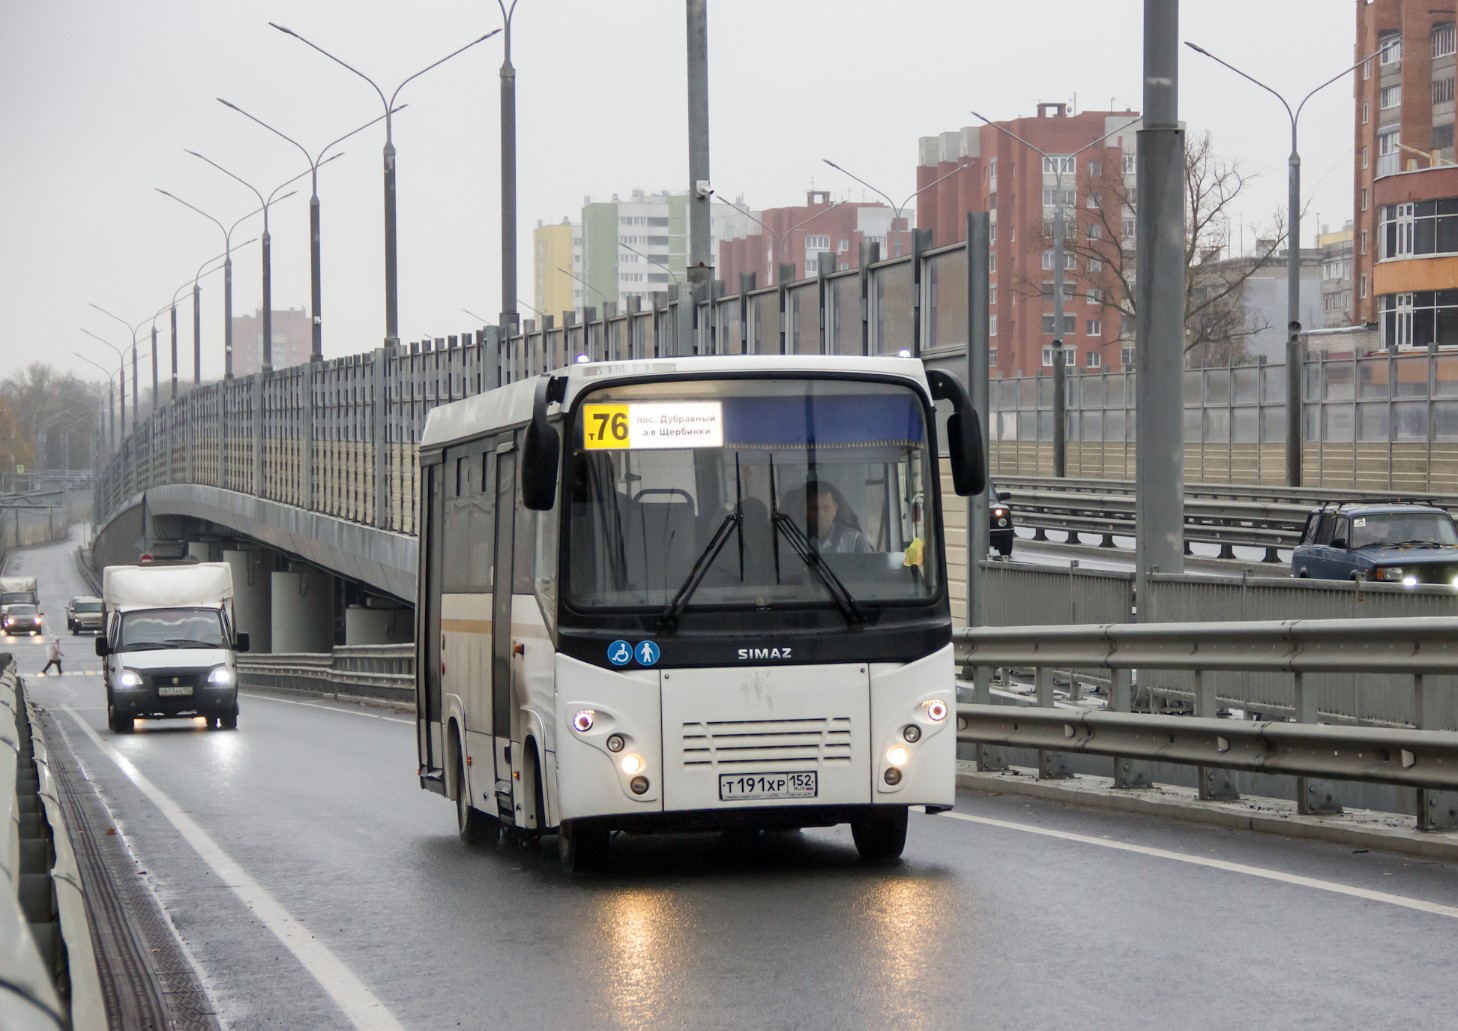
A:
{"x":799,"y":234}
{"x":1089,"y":156}
{"x":1405,"y":253}
{"x":293,"y":340}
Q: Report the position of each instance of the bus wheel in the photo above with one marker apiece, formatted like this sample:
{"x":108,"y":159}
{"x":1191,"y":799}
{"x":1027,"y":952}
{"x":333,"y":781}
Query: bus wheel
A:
{"x":474,"y":826}
{"x":582,"y":845}
{"x":880,"y":833}
{"x":120,"y":724}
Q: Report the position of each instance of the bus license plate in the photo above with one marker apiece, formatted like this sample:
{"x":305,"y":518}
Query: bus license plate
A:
{"x":171,"y":692}
{"x":735,"y":787}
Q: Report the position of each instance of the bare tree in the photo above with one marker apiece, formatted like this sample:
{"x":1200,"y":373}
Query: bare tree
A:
{"x":1100,"y":236}
{"x":37,"y":405}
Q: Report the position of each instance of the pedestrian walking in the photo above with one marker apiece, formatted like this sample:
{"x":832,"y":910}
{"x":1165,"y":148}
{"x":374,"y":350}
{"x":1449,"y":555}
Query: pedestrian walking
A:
{"x":53,"y":655}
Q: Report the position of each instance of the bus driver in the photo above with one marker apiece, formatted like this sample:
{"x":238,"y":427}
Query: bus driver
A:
{"x":832,"y":524}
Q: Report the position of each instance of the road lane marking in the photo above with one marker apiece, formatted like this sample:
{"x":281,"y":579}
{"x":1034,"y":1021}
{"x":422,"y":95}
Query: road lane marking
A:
{"x":1437,"y":909}
{"x":349,"y":993}
{"x":328,"y":708}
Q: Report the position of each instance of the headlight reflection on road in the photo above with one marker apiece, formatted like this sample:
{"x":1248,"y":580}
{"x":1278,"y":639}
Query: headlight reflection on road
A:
{"x":641,"y":936}
{"x":904,"y":917}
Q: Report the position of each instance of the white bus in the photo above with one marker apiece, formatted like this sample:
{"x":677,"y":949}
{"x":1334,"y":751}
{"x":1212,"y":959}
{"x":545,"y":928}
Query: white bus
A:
{"x":690,"y":594}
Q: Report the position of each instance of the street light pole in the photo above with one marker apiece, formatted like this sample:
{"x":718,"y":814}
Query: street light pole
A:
{"x":110,"y":395}
{"x":584,"y":283}
{"x":896,"y":209}
{"x":1060,"y":369}
{"x":1293,"y":260}
{"x":392,"y":334}
{"x":196,"y":323}
{"x":136,"y":399}
{"x":315,"y":287}
{"x":121,"y":370}
{"x":508,"y":178}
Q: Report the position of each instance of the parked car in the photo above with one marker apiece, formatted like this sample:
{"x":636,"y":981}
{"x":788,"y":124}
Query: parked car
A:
{"x":83,"y":613}
{"x":21,"y":619}
{"x":1000,"y":521}
{"x":1394,"y":542}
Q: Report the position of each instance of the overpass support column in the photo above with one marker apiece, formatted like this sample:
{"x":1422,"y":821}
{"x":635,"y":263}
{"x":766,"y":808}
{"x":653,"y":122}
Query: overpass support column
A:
{"x":303,"y":611}
{"x":251,"y":606}
{"x":199,"y":550}
{"x":363,"y":625}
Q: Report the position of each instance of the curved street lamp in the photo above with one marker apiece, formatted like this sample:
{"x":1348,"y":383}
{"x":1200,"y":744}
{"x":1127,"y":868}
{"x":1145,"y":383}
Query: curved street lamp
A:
{"x":1293,"y":256}
{"x":392,"y":335}
{"x":267,"y":250}
{"x":897,"y":209}
{"x":315,"y":286}
{"x":1060,"y":369}
{"x":136,"y":400}
{"x":121,"y":369}
{"x":584,"y":282}
{"x":780,"y":237}
{"x":651,"y":261}
{"x":196,"y":317}
{"x":110,"y":395}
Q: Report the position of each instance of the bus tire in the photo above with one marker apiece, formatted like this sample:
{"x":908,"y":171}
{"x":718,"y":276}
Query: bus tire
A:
{"x":473,"y":826}
{"x":880,"y":833}
{"x":582,"y":845}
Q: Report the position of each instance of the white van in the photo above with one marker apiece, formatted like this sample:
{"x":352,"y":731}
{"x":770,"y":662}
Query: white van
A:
{"x":169,"y":643}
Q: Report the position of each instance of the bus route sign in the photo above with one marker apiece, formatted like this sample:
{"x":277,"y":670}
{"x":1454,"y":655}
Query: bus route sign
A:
{"x":645,"y":425}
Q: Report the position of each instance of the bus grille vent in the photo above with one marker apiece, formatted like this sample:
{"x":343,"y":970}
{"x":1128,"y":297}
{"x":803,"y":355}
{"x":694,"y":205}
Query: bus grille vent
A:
{"x":819,"y":741}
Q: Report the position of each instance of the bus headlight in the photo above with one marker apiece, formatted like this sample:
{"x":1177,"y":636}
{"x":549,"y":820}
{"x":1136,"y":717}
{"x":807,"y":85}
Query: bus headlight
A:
{"x":631,"y":764}
{"x":897,"y":755}
{"x":912,"y":733}
{"x":615,"y":743}
{"x":582,"y":722}
{"x":128,"y":678}
{"x":936,"y":710}
{"x":221,"y":676}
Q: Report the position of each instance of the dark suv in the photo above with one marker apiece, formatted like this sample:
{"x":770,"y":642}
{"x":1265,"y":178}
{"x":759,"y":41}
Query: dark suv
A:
{"x":1393,"y":542}
{"x":1000,"y":521}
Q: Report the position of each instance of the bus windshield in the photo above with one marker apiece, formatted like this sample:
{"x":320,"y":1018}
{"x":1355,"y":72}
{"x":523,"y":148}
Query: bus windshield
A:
{"x":750,"y":493}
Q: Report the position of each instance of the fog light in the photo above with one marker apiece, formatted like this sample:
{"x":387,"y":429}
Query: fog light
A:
{"x":615,"y":743}
{"x":936,"y":710}
{"x":897,"y":755}
{"x":582,"y":722}
{"x":893,"y":776}
{"x":1409,"y":581}
{"x":911,"y":732}
{"x":631,"y":764}
{"x":639,"y":785}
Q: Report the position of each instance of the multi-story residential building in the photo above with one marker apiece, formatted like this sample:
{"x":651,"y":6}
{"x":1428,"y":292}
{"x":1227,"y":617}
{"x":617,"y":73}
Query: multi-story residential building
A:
{"x":1336,"y":276}
{"x":555,"y":247}
{"x":799,"y":234}
{"x":1405,"y":250}
{"x":293,"y":340}
{"x":1019,"y":171}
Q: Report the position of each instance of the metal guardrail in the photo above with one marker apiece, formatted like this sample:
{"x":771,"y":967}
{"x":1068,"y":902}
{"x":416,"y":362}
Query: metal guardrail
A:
{"x":1133,"y":654}
{"x":385,"y":672}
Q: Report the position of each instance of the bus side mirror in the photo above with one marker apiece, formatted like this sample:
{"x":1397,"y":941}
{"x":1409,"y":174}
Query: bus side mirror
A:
{"x":964,"y":434}
{"x":541,"y":455}
{"x":240,"y":642}
{"x":101,"y":649}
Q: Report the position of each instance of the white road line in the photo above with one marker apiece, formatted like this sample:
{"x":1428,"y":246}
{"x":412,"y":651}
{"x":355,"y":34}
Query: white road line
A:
{"x":1434,"y":908}
{"x":348,"y":991}
{"x":329,"y":708}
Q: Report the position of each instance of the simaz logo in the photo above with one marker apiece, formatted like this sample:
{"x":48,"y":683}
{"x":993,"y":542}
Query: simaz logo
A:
{"x":745,"y":654}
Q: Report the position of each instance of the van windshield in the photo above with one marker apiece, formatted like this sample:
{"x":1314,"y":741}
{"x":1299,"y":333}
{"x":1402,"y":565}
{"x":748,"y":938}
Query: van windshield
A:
{"x":88,"y":606}
{"x":170,"y":628}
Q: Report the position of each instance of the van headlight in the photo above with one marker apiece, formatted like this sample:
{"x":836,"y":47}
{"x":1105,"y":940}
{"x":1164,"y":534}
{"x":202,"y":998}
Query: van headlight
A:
{"x":1391,"y":573}
{"x":222,"y":676}
{"x":128,"y":678}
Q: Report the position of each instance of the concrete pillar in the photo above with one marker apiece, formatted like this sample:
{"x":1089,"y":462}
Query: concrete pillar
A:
{"x":303,"y":611}
{"x":199,"y":550}
{"x":251,"y":601}
{"x":378,"y":626}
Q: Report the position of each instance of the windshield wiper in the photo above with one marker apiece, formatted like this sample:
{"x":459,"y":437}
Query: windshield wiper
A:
{"x":838,"y":590}
{"x":669,"y":618}
{"x":143,"y":646}
{"x":189,"y":642}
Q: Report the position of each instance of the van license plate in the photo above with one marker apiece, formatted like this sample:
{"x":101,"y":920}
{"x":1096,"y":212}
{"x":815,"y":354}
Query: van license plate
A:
{"x":173,"y":692}
{"x":735,"y":787}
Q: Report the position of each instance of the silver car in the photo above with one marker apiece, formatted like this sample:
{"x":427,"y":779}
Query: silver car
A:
{"x":21,"y":619}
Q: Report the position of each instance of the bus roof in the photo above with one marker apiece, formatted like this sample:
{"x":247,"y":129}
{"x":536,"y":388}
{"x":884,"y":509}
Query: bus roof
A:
{"x":511,"y":405}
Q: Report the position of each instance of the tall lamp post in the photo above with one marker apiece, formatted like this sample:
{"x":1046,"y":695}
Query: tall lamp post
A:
{"x":136,"y":401}
{"x":121,"y":370}
{"x":652,"y":261}
{"x":197,"y":310}
{"x":110,"y":395}
{"x":315,"y":287}
{"x":1293,"y":260}
{"x":896,"y":209}
{"x":1060,"y":370}
{"x":584,"y":282}
{"x":779,"y":237}
{"x":392,"y":334}
{"x":227,"y":232}
{"x":267,"y":249}
{"x":508,"y":177}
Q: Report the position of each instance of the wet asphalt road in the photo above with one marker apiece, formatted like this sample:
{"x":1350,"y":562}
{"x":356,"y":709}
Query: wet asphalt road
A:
{"x":314,"y":885}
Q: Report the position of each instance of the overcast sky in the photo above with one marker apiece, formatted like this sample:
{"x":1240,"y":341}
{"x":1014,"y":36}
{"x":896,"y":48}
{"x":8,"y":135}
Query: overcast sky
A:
{"x":100,"y":100}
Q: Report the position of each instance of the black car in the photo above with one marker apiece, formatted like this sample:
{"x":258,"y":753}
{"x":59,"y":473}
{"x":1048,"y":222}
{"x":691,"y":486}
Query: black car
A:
{"x":1396,"y":542}
{"x":1000,"y":522}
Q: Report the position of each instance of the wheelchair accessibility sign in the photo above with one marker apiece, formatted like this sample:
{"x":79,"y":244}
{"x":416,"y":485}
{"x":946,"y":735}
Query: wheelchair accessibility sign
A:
{"x":620,"y":653}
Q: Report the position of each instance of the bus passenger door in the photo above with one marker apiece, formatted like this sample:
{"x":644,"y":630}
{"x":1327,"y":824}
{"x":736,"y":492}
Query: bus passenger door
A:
{"x":501,"y":631}
{"x":428,"y":631}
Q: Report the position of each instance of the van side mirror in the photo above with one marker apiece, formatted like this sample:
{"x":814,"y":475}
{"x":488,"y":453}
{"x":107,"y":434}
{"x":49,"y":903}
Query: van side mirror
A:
{"x":964,"y":434}
{"x":1340,"y":543}
{"x":101,"y":647}
{"x":240,"y":642}
{"x":1004,"y":495}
